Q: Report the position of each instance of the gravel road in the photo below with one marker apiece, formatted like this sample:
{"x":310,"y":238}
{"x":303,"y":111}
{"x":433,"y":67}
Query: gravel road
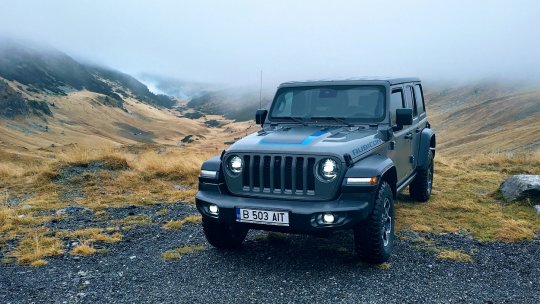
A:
{"x":275,"y":269}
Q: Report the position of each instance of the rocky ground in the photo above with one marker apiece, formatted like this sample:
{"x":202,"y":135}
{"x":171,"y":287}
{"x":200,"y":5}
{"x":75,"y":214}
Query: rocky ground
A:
{"x":271,"y":268}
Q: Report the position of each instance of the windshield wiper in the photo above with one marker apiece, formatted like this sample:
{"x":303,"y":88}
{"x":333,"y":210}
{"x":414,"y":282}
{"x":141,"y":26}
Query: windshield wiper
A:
{"x":298,"y":119}
{"x":340,"y":120}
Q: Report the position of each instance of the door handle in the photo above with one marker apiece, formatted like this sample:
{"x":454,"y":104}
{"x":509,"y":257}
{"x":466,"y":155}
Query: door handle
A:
{"x":408,"y":135}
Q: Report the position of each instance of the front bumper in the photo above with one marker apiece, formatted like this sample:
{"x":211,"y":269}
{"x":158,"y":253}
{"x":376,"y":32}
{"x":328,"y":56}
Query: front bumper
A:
{"x":350,"y":209}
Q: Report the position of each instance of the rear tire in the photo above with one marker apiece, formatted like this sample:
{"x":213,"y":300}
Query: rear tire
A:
{"x":223,"y":236}
{"x":374,"y":238}
{"x":420,"y":188}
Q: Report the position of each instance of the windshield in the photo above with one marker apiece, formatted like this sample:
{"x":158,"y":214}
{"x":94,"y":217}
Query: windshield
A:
{"x":347,"y":103}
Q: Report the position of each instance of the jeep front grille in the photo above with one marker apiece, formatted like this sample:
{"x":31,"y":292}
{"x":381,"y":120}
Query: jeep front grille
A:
{"x":279,"y":174}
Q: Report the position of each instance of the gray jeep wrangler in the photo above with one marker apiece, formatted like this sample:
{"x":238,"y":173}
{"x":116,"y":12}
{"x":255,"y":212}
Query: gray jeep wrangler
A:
{"x":330,"y":155}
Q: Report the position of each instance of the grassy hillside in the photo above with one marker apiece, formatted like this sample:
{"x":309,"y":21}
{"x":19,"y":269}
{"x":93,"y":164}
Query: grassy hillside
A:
{"x":82,"y":117}
{"x":488,"y":117}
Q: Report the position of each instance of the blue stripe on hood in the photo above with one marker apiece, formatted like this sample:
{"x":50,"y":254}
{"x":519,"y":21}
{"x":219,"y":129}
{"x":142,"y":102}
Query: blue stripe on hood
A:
{"x":306,"y":141}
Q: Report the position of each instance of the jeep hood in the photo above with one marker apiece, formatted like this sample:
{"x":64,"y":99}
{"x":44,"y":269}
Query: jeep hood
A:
{"x":329,"y":140}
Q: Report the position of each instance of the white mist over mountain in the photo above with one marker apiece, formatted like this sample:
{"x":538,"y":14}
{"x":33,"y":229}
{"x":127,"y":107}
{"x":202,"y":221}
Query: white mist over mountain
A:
{"x":229,"y":42}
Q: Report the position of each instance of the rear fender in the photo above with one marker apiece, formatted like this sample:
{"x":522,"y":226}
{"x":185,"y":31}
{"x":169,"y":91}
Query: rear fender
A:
{"x":427,"y":143}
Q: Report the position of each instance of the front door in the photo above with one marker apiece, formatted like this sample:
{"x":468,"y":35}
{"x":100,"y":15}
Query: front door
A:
{"x":402,"y":141}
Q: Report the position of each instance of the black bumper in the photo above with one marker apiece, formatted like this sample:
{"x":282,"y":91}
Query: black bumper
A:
{"x":350,"y":209}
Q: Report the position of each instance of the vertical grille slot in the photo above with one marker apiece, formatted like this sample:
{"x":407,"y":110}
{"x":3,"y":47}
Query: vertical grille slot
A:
{"x":256,"y":169}
{"x":311,"y":174}
{"x":266,"y":172}
{"x":245,"y":172}
{"x":277,"y":174}
{"x":299,"y":174}
{"x":288,"y":173}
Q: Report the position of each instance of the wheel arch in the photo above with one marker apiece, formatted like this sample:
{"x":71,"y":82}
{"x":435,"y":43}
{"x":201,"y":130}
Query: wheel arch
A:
{"x":428,"y":142}
{"x":376,"y":165}
{"x":390,"y":176}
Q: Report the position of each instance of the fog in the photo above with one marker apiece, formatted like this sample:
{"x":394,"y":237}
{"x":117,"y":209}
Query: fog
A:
{"x":230,"y":42}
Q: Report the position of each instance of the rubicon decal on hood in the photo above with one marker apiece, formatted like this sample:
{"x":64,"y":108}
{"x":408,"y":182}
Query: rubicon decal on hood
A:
{"x":366,"y":147}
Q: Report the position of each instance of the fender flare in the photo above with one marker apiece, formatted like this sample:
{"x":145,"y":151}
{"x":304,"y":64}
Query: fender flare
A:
{"x":373,"y":165}
{"x":427,"y":142}
{"x":212,"y":164}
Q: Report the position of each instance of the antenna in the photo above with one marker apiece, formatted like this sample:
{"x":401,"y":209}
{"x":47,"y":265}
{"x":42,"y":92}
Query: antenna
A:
{"x":260,"y":93}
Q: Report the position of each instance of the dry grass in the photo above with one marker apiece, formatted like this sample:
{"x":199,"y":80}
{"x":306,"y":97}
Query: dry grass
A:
{"x":169,"y":165}
{"x":454,"y":255}
{"x":162,"y":212}
{"x":179,"y":223}
{"x":83,"y":249}
{"x":79,"y":155}
{"x":384,"y":266}
{"x":35,"y":245}
{"x":10,"y":170}
{"x":39,"y":263}
{"x":92,"y":235}
{"x":88,"y":236}
{"x":514,"y":230}
{"x":465,"y":199}
{"x":177,"y":253}
{"x":133,"y":220}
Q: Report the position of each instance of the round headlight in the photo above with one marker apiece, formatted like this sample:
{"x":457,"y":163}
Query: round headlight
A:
{"x":328,"y":169}
{"x":235,"y":164}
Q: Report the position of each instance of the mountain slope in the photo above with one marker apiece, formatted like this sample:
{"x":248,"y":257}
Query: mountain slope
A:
{"x":47,"y":98}
{"x":12,"y":103}
{"x":239,"y":105}
{"x":486,"y":117}
{"x":49,"y":71}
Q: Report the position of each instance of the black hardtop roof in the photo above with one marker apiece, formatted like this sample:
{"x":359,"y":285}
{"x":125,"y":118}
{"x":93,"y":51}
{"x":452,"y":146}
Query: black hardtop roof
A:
{"x":351,"y":81}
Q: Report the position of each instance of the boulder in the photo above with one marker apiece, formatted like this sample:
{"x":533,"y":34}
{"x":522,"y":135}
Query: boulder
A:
{"x":521,"y":186}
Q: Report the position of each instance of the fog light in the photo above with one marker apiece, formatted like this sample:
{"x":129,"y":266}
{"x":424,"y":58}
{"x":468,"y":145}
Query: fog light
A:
{"x":213,"y":209}
{"x":328,"y":218}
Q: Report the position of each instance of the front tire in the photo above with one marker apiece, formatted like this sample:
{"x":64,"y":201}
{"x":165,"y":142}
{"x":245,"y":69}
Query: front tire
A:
{"x":223,"y":236}
{"x":374,"y":238}
{"x":420,"y":188}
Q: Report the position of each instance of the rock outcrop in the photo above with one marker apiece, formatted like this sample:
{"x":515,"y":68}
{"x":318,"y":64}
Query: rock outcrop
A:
{"x":521,"y":186}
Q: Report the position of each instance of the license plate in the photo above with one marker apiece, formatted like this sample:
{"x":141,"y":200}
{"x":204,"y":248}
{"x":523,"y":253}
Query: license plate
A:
{"x":266,"y":217}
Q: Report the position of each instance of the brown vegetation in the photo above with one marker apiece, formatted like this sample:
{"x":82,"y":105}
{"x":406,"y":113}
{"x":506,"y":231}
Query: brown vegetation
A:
{"x":179,"y":223}
{"x":465,"y":199}
{"x":107,"y":176}
{"x":177,"y":253}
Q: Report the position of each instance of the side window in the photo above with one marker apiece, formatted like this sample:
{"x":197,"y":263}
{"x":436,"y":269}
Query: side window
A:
{"x":411,"y":103}
{"x":419,"y":94}
{"x":396,"y":102}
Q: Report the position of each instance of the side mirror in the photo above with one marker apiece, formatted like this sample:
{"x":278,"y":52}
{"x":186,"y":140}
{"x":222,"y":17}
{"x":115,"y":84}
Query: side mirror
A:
{"x":404,"y":117}
{"x":260,"y":116}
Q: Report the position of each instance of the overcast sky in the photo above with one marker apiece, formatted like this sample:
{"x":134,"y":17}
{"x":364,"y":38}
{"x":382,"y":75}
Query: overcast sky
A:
{"x":231,"y":41}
